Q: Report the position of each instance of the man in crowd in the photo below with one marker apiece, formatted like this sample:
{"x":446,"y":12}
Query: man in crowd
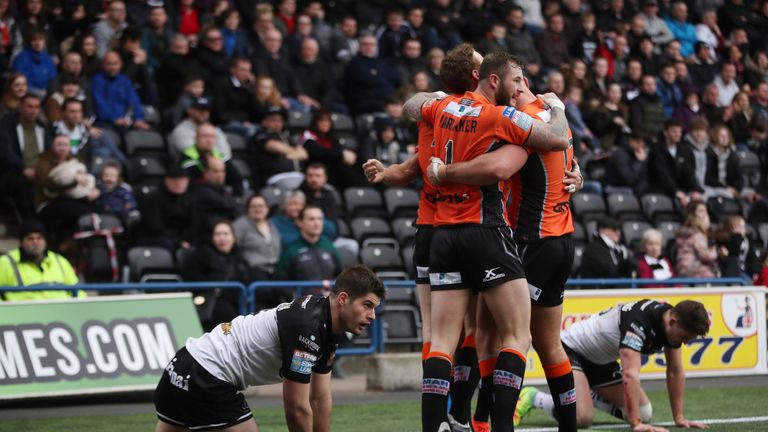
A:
{"x":312,"y":256}
{"x":116,"y":102}
{"x":605,"y":256}
{"x":183,"y":135}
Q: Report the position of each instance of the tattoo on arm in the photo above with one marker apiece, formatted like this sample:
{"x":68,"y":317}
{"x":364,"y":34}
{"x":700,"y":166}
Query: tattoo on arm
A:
{"x":552,"y":135}
{"x":412,"y":107}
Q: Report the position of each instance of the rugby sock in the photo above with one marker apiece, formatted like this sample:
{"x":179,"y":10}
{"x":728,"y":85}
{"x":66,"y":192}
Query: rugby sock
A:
{"x":507,"y":382}
{"x":605,"y":406}
{"x":435,"y":386}
{"x":465,"y":378}
{"x":425,"y":348}
{"x":485,"y":394}
{"x":561,"y":386}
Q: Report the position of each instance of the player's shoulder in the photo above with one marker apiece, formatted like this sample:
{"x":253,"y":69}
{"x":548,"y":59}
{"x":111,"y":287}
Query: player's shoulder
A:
{"x":517,"y":117}
{"x":307,"y":311}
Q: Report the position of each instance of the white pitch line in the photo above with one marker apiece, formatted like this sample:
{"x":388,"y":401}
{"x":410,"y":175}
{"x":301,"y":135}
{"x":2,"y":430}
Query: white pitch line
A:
{"x":624,"y":426}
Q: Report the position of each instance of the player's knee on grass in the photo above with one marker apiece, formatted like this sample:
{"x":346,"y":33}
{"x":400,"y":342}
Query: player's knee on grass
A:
{"x":584,"y":419}
{"x":646,"y":413}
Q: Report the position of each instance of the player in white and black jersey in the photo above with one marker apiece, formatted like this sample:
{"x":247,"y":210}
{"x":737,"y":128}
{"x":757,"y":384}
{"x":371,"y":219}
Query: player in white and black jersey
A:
{"x":625,"y":332}
{"x":294,"y":343}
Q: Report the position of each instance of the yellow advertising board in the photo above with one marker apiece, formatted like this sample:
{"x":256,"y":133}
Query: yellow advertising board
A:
{"x":735,"y":345}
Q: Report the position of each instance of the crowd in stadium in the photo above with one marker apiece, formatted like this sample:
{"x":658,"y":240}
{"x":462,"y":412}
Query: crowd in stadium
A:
{"x":170,"y":115}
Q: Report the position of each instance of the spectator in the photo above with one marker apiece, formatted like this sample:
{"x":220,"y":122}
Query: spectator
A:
{"x":670,"y":166}
{"x":321,"y":30}
{"x":272,"y":151}
{"x":384,"y":146}
{"x":22,"y":139}
{"x":670,"y":95}
{"x":268,"y":96}
{"x":646,"y":111}
{"x":556,"y":83}
{"x":235,"y":106}
{"x":696,"y":256}
{"x":53,"y":104}
{"x":435,"y":58}
{"x":697,"y":140}
{"x":648,"y":58}
{"x":36,"y":64}
{"x":627,"y":167}
{"x":495,"y":40}
{"x":605,"y":256}
{"x":551,"y":44}
{"x":710,"y":105}
{"x":169,"y":216}
{"x":726,"y":84}
{"x":426,"y":34}
{"x":72,"y":65}
{"x":214,"y":200}
{"x":617,"y":57}
{"x":655,"y":27}
{"x":107,"y":31}
{"x":410,"y":60}
{"x":15,"y":89}
{"x":703,"y":67}
{"x":598,"y":83}
{"x":586,"y":39}
{"x":176,"y":69}
{"x":318,"y":192}
{"x":194,"y":89}
{"x":311,"y":256}
{"x":263,"y":23}
{"x":732,"y":15}
{"x":32,"y":263}
{"x":723,"y":176}
{"x":196,"y":158}
{"x":615,"y":18}
{"x":274,"y":61}
{"x":758,"y":139}
{"x":444,"y":18}
{"x":392,"y":34}
{"x":184,"y":134}
{"x":681,"y":28}
{"x":287,"y":222}
{"x":211,"y":55}
{"x":689,"y":110}
{"x":187,"y":19}
{"x":156,"y":37}
{"x":116,"y":197}
{"x":708,"y":32}
{"x":652,"y":264}
{"x":757,"y":68}
{"x":582,"y":136}
{"x":739,"y":115}
{"x":135,"y":67}
{"x":86,"y":141}
{"x":217,"y":260}
{"x":760,"y":105}
{"x":632,"y":82}
{"x":322,"y":146}
{"x":610,"y":121}
{"x":258,"y":238}
{"x":521,"y":41}
{"x":476,"y":17}
{"x":344,"y":43}
{"x":33,"y":18}
{"x":737,"y":257}
{"x":235,"y":38}
{"x":533,"y":14}
{"x":419,"y":82}
{"x":369,"y":80}
{"x":286,"y":13}
{"x":117,"y":103}
{"x":64,"y":190}
{"x":85,"y":45}
{"x":315,"y":82}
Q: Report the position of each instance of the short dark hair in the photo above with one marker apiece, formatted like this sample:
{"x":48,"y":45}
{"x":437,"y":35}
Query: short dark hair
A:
{"x":315,"y":165}
{"x":30,"y":96}
{"x":130,"y":34}
{"x":308,"y":207}
{"x":457,"y":67}
{"x":497,"y":63}
{"x":670,"y":123}
{"x":692,"y":316}
{"x":357,"y":281}
{"x":70,"y":101}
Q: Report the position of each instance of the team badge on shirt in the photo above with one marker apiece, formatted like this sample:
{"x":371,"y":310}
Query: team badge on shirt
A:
{"x":521,"y":119}
{"x":302,"y":362}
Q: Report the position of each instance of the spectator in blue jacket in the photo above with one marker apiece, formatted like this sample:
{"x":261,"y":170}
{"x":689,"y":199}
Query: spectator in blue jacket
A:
{"x":369,"y":79}
{"x":117,"y":103}
{"x":681,"y":28}
{"x":669,"y":92}
{"x":36,"y":64}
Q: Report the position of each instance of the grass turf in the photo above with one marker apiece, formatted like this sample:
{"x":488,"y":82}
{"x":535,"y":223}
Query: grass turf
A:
{"x":404,"y":417}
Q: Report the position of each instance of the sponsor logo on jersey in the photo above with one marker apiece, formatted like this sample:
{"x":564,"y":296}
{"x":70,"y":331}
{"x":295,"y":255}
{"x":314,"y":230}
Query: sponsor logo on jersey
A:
{"x":521,"y":119}
{"x":435,"y":386}
{"x":460,"y":110}
{"x":465,"y":101}
{"x":179,"y":381}
{"x":461,"y":373}
{"x":633,"y":341}
{"x":449,"y":278}
{"x":226,"y":328}
{"x":534,"y":291}
{"x":561,"y":207}
{"x":637,"y":328}
{"x":568,"y":397}
{"x":310,"y":344}
{"x":492,"y":275}
{"x":302,"y":362}
{"x":508,"y":379}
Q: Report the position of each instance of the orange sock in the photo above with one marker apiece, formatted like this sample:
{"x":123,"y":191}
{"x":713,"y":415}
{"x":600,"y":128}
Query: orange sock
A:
{"x":558,"y":369}
{"x":469,"y":342}
{"x":487,"y":366}
{"x":425,"y":348}
{"x":517,"y":353}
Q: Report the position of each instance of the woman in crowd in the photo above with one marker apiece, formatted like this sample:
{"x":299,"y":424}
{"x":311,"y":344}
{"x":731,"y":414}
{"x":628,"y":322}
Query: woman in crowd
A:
{"x":267,"y":93}
{"x":722,"y":176}
{"x":610,"y":121}
{"x":85,"y":45}
{"x":652,"y":264}
{"x":258,"y":238}
{"x":696,"y":255}
{"x":321,"y":144}
{"x":15,"y":88}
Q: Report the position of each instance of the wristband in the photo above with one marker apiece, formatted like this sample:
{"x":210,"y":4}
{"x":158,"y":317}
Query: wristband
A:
{"x":556,"y":103}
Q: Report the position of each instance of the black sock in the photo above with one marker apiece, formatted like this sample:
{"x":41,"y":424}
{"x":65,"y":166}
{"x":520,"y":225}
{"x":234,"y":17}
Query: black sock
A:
{"x":484,"y":399}
{"x":435,"y":387}
{"x":563,"y":392}
{"x":465,"y":378}
{"x":507,"y":382}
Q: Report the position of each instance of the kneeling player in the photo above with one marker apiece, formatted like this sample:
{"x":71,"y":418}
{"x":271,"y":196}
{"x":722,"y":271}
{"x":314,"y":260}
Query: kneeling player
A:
{"x":625,"y":332}
{"x":200,"y":388}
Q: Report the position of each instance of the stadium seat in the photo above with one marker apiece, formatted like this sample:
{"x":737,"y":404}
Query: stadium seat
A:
{"x":624,"y":207}
{"x":400,"y":295}
{"x":144,"y":142}
{"x":402,"y":324}
{"x":151,"y":264}
{"x":381,"y":258}
{"x":342,"y":122}
{"x":94,"y":249}
{"x":373,"y":230}
{"x":151,"y":115}
{"x":298,"y":121}
{"x":587,"y":206}
{"x":364,"y":201}
{"x":98,"y":162}
{"x":658,"y":207}
{"x":404,"y":230}
{"x":401,"y":202}
{"x":237,"y":144}
{"x":364,"y":123}
{"x":633,"y":233}
{"x":114,"y":136}
{"x":762,"y":231}
{"x":140,"y":168}
{"x":342,"y":228}
{"x":274,"y":197}
{"x":348,"y":140}
{"x":590,"y":227}
{"x":749,"y":166}
{"x":720,"y":207}
{"x":347,"y":254}
{"x":579,"y":234}
{"x":145,"y":188}
{"x":244,"y":170}
{"x":578,"y":253}
{"x":668,"y":231}
{"x":286,"y":181}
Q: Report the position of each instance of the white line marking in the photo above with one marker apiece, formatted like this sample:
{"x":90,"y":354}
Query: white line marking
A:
{"x":624,"y":426}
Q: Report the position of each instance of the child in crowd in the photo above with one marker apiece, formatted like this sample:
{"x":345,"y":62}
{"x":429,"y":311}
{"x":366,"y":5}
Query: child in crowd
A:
{"x":116,"y":197}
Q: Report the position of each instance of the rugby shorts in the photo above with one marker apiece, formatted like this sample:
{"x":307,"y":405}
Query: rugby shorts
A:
{"x":547,"y":264}
{"x":421,"y":245}
{"x":598,"y":375}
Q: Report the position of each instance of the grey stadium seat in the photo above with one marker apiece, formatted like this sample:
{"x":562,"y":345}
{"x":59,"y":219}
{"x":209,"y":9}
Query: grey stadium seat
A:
{"x":587,"y":206}
{"x":151,"y":264}
{"x":658,"y":207}
{"x":401,"y":202}
{"x":363,"y":201}
{"x":633,"y":233}
{"x":144,"y":168}
{"x":624,"y":206}
{"x":144,"y":142}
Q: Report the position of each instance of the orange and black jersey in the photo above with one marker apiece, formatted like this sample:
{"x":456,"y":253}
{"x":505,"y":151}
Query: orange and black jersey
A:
{"x":427,"y":197}
{"x":465,"y":127}
{"x":538,"y":205}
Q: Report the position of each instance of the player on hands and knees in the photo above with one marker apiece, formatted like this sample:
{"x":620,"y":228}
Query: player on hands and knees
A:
{"x":294,"y":343}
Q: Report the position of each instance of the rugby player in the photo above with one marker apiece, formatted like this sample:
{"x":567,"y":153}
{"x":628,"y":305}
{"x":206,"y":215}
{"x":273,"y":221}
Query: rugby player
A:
{"x":625,"y":332}
{"x":294,"y":343}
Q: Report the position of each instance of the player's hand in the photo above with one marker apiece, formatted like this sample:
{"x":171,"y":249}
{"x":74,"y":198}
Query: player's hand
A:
{"x":434,"y":169}
{"x":690,"y":424}
{"x":573,"y":180}
{"x":552,"y":100}
{"x":374,"y":171}
{"x":642,"y":427}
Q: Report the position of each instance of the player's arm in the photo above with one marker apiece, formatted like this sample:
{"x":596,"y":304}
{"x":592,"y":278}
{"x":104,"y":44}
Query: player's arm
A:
{"x":321,"y":401}
{"x":630,"y":366}
{"x":676,"y":388}
{"x":483,"y":170}
{"x":412,"y":107}
{"x":552,"y":135}
{"x":298,"y":411}
{"x":398,"y":175}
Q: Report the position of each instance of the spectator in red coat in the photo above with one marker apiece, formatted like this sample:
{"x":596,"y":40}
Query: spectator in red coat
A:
{"x":652,"y":264}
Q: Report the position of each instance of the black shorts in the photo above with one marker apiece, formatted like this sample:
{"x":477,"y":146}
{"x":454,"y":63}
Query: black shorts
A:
{"x":474,"y":257}
{"x":189,"y":396}
{"x":547,"y":264}
{"x":598,"y":375}
{"x":421,"y":252}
